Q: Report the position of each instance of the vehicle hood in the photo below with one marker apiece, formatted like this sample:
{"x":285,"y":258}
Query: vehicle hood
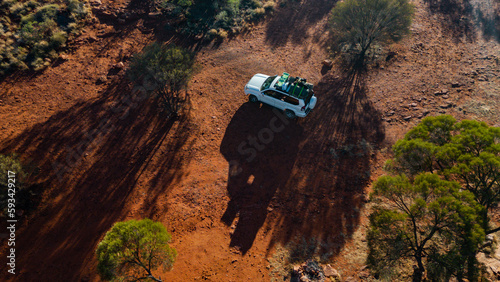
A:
{"x":256,"y":82}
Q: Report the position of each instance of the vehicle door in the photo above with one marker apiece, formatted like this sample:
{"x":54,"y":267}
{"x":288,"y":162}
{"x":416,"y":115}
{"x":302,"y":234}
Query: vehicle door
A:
{"x":270,"y":97}
{"x":287,"y":102}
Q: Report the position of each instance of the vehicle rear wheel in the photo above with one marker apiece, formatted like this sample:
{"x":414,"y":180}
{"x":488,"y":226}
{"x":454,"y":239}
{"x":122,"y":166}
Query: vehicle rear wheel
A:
{"x":253,"y":99}
{"x":289,"y":114}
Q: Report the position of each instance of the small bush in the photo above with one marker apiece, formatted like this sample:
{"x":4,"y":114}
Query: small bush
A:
{"x":32,"y":32}
{"x":9,"y":164}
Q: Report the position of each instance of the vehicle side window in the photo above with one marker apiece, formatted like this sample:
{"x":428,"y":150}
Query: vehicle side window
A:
{"x":291,"y":100}
{"x":273,"y":94}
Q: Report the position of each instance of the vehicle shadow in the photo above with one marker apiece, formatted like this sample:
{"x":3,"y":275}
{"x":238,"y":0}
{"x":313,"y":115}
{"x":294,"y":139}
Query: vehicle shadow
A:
{"x":261,"y":146}
{"x":325,"y":194}
{"x":90,"y":158}
{"x":308,"y":182}
{"x":291,"y":22}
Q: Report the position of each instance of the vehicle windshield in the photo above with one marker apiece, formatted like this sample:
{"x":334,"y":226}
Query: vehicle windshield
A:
{"x":268,"y":82}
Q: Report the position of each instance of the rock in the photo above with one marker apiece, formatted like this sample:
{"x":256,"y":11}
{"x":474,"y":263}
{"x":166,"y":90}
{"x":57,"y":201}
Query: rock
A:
{"x":441,"y":92}
{"x":445,"y":106}
{"x":445,"y":97}
{"x":91,"y":39}
{"x":102,"y":79}
{"x":154,"y":15}
{"x":296,"y":269}
{"x":407,"y":118}
{"x":327,"y":63}
{"x":119,"y":65}
{"x":391,"y":113}
{"x":63,"y":57}
{"x":95,"y":3}
{"x":456,"y":84}
{"x":329,"y":271}
{"x":413,"y":104}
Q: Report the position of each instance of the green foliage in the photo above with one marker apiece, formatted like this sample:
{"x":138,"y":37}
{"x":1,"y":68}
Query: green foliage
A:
{"x":198,"y":17}
{"x":468,"y":151}
{"x":32,"y":32}
{"x":164,"y":71}
{"x":13,"y":164}
{"x":359,"y":25}
{"x":133,"y":249}
{"x":428,"y":220}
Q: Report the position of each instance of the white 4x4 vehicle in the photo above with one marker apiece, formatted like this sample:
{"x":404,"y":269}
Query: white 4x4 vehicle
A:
{"x":293,"y":95}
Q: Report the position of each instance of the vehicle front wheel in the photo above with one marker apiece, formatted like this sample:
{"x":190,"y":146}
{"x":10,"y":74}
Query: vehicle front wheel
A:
{"x":253,"y":99}
{"x":289,"y":114}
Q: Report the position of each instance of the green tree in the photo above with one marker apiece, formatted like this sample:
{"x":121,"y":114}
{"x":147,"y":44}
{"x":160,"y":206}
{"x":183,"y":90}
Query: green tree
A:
{"x":466,"y":151}
{"x":359,"y":25}
{"x":131,"y":250}
{"x":164,"y":71}
{"x":428,"y":220}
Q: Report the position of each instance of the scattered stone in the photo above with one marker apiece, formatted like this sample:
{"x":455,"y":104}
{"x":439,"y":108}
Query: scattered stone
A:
{"x":391,"y":113}
{"x":102,"y":79}
{"x":445,"y":96}
{"x":407,"y":118}
{"x":329,"y":271}
{"x":413,"y":104}
{"x":327,"y":63}
{"x":95,"y":3}
{"x":63,"y":57}
{"x":456,"y":84}
{"x":119,"y":65}
{"x":441,"y":92}
{"x":91,"y":39}
{"x":269,"y":209}
{"x":234,"y":260}
{"x":445,"y":106}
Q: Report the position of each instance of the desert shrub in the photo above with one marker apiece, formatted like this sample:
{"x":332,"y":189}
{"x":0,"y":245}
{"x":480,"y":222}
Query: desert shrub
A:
{"x":359,"y":25}
{"x":12,"y":164}
{"x":33,"y":32}
{"x":132,"y":250}
{"x":164,"y":71}
{"x":200,"y":17}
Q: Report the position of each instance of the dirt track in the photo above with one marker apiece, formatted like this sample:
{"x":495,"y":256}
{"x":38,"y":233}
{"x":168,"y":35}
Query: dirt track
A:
{"x":226,"y":214}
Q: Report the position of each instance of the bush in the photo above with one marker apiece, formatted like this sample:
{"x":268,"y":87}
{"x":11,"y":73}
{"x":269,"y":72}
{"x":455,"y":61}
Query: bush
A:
{"x":359,"y":25}
{"x":32,"y":33}
{"x":133,"y":249}
{"x":164,"y":72}
{"x":13,"y":164}
{"x":200,"y":17}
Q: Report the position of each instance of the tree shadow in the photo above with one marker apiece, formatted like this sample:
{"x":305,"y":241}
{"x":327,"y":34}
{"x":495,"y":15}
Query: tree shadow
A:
{"x":464,"y":18}
{"x":261,"y":146}
{"x":291,"y":22}
{"x":90,"y":158}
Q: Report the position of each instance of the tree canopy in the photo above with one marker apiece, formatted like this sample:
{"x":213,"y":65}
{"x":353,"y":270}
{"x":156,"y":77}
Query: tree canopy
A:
{"x":133,"y":249}
{"x":427,"y":220}
{"x":466,"y":151}
{"x":358,"y":25}
{"x":445,"y":178}
{"x":163,"y":71}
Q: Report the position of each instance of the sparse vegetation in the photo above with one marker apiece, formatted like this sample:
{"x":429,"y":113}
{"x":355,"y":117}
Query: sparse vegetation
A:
{"x":227,"y":17}
{"x":13,"y":164}
{"x":360,"y":25}
{"x":133,"y":249}
{"x":32,"y":32}
{"x":164,"y":72}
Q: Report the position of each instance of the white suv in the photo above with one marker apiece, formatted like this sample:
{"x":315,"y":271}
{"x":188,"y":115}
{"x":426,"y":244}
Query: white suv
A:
{"x":293,"y":95}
